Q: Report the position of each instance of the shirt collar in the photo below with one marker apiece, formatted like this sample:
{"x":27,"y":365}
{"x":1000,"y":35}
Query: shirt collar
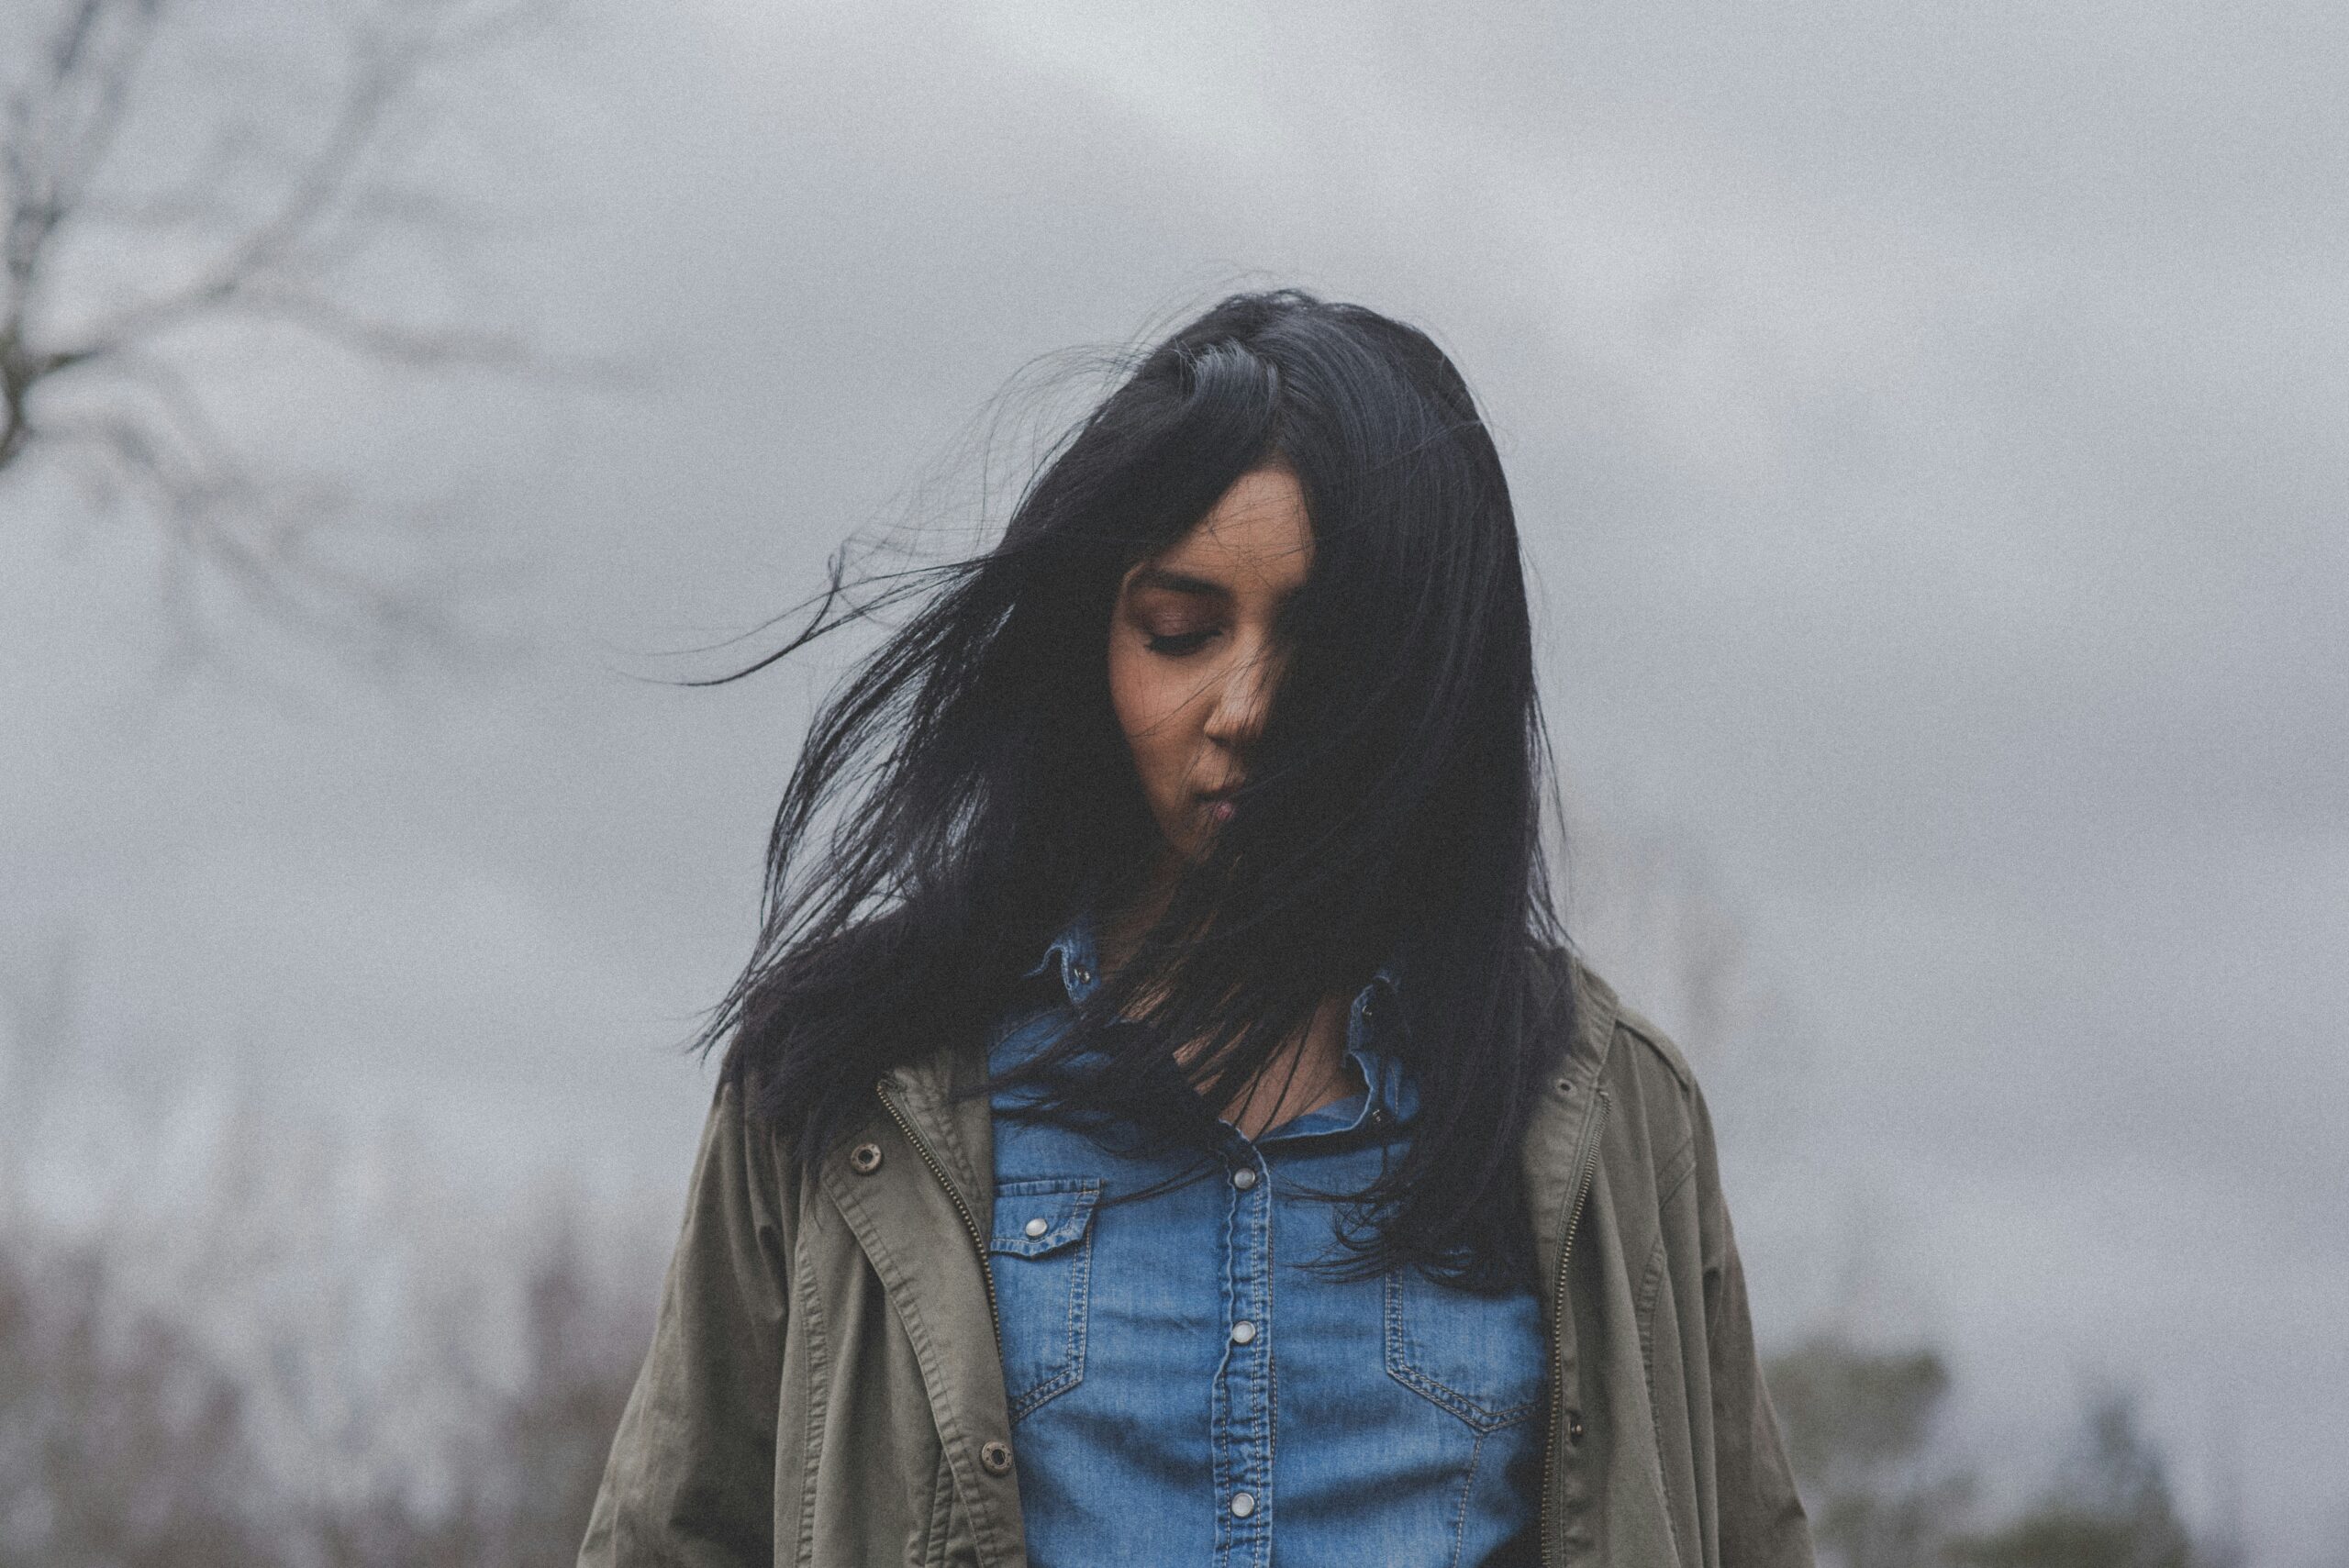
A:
{"x":1075,"y":953}
{"x":1074,"y":950}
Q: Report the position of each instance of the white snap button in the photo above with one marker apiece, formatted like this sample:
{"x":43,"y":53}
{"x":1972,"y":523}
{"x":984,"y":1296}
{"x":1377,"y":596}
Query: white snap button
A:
{"x":1242,"y":1332}
{"x":1243,"y":1504}
{"x":1037,"y":1228}
{"x":1244,"y":1177}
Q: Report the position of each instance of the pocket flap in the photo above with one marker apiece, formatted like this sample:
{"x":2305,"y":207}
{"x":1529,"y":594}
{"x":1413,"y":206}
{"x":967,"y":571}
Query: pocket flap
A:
{"x":1032,"y":1217}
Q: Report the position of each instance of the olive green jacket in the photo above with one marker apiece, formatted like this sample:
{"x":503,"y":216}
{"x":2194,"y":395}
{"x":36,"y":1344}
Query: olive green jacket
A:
{"x":824,"y":1386}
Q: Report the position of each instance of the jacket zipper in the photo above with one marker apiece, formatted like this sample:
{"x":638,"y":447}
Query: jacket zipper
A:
{"x":1558,"y":1314}
{"x":978,"y":1238}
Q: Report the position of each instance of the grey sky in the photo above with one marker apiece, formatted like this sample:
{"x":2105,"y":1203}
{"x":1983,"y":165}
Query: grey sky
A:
{"x":1926,"y":423}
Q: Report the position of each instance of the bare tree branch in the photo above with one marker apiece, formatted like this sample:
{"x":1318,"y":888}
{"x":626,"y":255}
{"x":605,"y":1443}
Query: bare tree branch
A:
{"x":390,"y":342}
{"x":117,"y":397}
{"x":62,"y":126}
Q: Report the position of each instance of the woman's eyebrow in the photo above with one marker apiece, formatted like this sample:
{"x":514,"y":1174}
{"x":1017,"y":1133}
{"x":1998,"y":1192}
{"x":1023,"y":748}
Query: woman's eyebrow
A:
{"x":1180,"y":583}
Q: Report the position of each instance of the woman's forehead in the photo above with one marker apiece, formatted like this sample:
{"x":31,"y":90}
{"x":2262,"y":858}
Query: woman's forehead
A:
{"x":1257,"y":538}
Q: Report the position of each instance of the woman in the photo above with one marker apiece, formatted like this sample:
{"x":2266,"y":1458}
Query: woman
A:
{"x":1162,"y":1122}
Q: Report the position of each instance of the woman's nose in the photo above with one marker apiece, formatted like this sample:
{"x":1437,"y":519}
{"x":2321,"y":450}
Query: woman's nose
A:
{"x":1242,"y":697}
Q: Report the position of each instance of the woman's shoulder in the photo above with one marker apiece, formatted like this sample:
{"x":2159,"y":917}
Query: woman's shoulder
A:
{"x":1659,"y":1123}
{"x":1606,"y":1025}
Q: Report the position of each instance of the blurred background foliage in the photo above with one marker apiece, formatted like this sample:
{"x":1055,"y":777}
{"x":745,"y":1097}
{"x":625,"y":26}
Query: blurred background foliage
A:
{"x":1885,"y":1487}
{"x":127,"y":1441}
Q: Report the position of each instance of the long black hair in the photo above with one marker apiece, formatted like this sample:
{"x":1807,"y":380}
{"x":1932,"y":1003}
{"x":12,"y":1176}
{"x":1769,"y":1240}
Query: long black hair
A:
{"x":966,"y":790}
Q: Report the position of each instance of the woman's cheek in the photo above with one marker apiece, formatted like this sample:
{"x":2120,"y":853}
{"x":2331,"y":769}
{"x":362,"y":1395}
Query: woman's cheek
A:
{"x":1135,"y":697}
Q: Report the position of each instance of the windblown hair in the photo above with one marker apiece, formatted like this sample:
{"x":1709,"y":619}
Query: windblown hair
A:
{"x":967,"y":790}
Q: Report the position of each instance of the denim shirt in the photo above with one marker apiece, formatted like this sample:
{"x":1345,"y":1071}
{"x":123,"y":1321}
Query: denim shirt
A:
{"x":1184,"y":1389}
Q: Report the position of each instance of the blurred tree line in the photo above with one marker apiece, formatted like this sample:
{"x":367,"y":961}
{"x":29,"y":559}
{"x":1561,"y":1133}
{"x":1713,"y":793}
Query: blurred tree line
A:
{"x":1885,"y":1489}
{"x":125,"y":1443}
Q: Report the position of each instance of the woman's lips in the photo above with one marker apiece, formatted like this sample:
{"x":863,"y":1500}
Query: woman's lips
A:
{"x":1219,"y":801}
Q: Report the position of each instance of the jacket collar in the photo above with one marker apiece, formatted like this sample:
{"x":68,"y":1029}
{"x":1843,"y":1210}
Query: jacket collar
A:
{"x":1568,"y":1118}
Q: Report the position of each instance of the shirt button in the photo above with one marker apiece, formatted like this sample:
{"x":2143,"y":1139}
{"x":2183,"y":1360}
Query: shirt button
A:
{"x":994,"y":1458}
{"x":1244,"y":1178}
{"x":1243,"y":1504}
{"x":1036,"y":1228}
{"x":1081,"y":973}
{"x":1242,"y":1332}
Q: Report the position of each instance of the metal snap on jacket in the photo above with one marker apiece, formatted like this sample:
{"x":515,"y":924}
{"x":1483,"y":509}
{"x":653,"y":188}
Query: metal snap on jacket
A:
{"x":1574,"y":1426}
{"x":1081,"y":973}
{"x":994,"y":1458}
{"x":1242,"y":1332}
{"x":1037,"y":1226}
{"x":1243,"y":1504}
{"x":1244,"y":1177}
{"x":864,"y":1159}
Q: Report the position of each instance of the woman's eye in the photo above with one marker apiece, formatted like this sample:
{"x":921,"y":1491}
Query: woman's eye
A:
{"x":1174,"y":645}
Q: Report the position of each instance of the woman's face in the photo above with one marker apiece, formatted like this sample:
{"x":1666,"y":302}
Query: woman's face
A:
{"x":1193,"y":653}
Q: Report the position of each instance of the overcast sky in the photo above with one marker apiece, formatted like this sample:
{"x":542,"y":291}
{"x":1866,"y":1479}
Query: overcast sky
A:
{"x":1926,"y":422}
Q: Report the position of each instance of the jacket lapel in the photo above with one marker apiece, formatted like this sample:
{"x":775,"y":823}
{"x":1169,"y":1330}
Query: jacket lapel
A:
{"x":1564,"y":1121}
{"x":907,"y":1221}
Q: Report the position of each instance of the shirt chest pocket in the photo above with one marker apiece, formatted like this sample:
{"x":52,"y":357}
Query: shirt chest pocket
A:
{"x":1479,"y":1357}
{"x":1041,"y":1256}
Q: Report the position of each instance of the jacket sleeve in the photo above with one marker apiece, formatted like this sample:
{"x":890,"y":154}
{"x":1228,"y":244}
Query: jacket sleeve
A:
{"x":690,"y":1480}
{"x":1761,"y":1519}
